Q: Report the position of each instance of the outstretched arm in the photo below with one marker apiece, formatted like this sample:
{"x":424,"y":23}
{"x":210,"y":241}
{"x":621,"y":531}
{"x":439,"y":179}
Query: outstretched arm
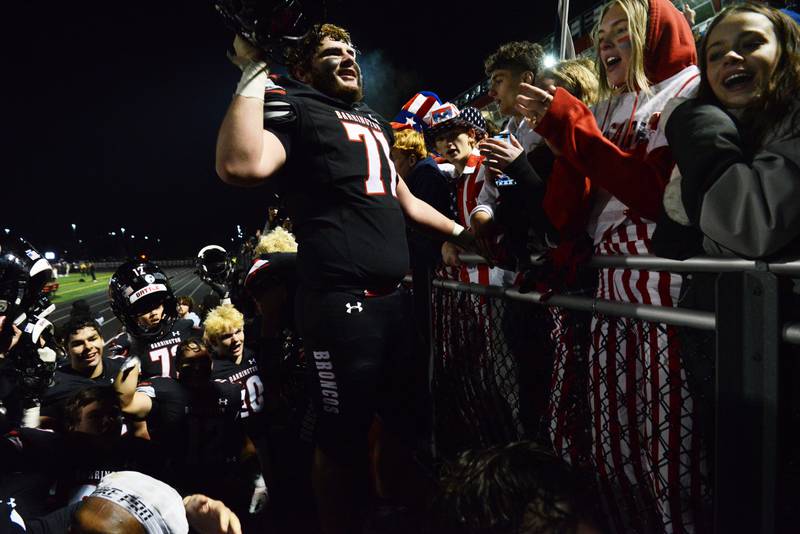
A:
{"x":133,"y":402}
{"x":423,"y":214}
{"x":570,"y":128}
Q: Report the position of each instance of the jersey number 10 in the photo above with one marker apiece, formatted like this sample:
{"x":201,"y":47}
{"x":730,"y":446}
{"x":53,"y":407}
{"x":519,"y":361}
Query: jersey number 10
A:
{"x":374,"y":185}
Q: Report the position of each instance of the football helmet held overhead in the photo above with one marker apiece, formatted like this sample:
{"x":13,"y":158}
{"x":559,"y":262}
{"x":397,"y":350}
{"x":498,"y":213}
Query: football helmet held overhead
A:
{"x":136,"y":288}
{"x":271,"y":25}
{"x":213,"y":265}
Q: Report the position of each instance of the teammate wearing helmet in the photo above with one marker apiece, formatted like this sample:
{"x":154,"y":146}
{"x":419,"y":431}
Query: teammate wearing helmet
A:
{"x":27,"y":360}
{"x":142,"y":300}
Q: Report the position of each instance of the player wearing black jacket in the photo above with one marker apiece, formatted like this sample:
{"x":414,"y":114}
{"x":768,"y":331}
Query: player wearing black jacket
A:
{"x":328,"y":153}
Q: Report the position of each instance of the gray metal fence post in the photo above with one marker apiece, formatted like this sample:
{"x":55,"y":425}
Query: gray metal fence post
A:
{"x":748,"y":337}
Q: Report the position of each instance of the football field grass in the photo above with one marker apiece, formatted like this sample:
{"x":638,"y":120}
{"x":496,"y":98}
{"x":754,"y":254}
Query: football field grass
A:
{"x":71,"y":288}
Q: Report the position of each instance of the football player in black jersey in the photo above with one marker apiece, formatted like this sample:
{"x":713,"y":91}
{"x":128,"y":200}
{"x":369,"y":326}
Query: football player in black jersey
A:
{"x":236,"y":364}
{"x":329,"y":156}
{"x":197,"y":420}
{"x":143,"y":301}
{"x":88,"y":366}
{"x":232,"y":361}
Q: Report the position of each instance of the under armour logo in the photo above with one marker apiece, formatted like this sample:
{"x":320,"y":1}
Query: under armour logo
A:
{"x":350,"y":307}
{"x":223,"y":402}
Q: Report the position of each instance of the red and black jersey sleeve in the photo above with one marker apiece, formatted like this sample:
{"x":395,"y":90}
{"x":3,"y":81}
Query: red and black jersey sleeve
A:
{"x":280,"y":115}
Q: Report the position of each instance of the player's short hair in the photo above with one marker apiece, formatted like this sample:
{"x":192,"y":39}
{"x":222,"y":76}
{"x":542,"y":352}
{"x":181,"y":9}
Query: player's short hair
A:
{"x":578,"y":76}
{"x":505,"y":489}
{"x":186,"y":300}
{"x":220,"y":321}
{"x":278,"y":240}
{"x":516,"y":56}
{"x":411,"y":142}
{"x":192,"y":347}
{"x":75,"y":323}
{"x":300,"y":56}
{"x":105,"y":395}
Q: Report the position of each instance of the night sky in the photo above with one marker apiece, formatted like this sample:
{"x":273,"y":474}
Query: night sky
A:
{"x":114,"y":109}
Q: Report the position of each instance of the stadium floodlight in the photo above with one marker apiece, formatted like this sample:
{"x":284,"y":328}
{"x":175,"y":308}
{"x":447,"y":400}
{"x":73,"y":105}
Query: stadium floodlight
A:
{"x":549,"y":61}
{"x":74,"y":226}
{"x":49,"y":255}
{"x":8,"y":230}
{"x":122,"y":230}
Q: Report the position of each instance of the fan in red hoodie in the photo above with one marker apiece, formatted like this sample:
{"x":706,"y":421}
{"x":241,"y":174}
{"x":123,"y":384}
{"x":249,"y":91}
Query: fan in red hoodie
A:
{"x":645,"y":450}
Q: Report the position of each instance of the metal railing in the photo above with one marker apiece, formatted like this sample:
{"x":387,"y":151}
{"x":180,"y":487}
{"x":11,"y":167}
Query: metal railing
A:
{"x":748,"y":332}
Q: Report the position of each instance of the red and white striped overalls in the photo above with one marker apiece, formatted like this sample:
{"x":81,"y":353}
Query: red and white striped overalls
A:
{"x":644,"y":449}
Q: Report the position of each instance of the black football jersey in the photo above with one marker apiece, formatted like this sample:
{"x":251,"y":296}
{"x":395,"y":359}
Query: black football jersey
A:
{"x":339,"y":185}
{"x":246,"y":376}
{"x":199,"y":427}
{"x":157,"y":355}
{"x":67,"y":382}
{"x":70,"y":465}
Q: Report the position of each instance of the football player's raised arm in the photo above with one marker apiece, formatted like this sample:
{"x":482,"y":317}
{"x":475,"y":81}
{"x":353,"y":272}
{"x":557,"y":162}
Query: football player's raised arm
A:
{"x":132,"y":402}
{"x":139,"y":405}
{"x":423,"y":214}
{"x":247,"y":154}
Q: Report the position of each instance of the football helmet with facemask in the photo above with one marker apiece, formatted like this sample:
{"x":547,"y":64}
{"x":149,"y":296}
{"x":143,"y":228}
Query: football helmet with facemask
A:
{"x":23,"y":304}
{"x":213,"y":265}
{"x":23,"y":275}
{"x":136,"y":288}
{"x":272,"y":25}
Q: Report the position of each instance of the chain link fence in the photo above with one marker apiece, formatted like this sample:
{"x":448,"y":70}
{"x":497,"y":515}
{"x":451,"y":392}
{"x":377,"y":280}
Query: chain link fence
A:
{"x":628,"y":400}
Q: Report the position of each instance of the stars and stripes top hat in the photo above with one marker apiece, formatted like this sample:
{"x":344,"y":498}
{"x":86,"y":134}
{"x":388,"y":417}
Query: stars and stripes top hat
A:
{"x":446,"y":116}
{"x":413,"y":113}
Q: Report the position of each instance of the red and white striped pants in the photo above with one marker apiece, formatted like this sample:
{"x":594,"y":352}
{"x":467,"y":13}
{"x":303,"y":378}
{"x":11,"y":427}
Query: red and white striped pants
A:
{"x":643,"y":447}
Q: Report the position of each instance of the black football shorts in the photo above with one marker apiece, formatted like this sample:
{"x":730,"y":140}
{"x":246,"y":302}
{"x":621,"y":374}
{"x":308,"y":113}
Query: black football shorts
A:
{"x":358,"y":352}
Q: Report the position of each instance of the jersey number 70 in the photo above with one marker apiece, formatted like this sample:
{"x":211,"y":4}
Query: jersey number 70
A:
{"x":373,"y":183}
